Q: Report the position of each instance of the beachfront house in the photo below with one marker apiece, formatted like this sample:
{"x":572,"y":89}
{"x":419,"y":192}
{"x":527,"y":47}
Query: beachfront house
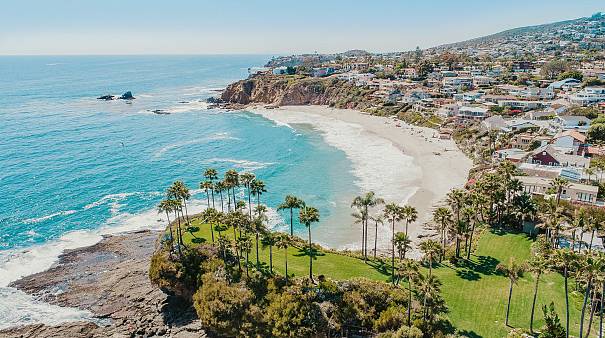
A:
{"x":471,"y":113}
{"x":575,"y":192}
{"x":549,"y":155}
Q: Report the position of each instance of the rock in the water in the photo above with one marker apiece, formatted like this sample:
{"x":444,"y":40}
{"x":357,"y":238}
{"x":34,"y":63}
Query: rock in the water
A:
{"x":127,"y":96}
{"x":106,"y":97}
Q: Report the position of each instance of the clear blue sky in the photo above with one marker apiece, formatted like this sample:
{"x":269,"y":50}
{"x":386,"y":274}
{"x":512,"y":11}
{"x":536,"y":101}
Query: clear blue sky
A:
{"x":262,"y":26}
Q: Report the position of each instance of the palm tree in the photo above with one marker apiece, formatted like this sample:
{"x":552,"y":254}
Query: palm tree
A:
{"x":257,"y":187}
{"x":559,"y":184}
{"x":566,"y":260}
{"x":537,"y":265}
{"x":589,"y":172}
{"x":211,"y":175}
{"x":359,"y":217}
{"x":246,"y":179}
{"x":431,"y":249}
{"x":207,"y":186}
{"x":245,"y":245}
{"x":308,"y":215}
{"x":363,"y":203}
{"x":220,"y":187}
{"x":456,"y":199}
{"x":591,"y":266}
{"x":258,"y":226}
{"x":167,"y":207}
{"x":269,"y":240}
{"x":409,"y":269}
{"x":410,"y":214}
{"x":180,"y":191}
{"x":283,"y":242}
{"x":428,"y":289}
{"x":291,"y":202}
{"x":393,"y":213}
{"x":210,"y":216}
{"x":402,"y":243}
{"x":232,"y":181}
{"x":443,"y":217}
{"x":378,"y":219}
{"x":513,"y":271}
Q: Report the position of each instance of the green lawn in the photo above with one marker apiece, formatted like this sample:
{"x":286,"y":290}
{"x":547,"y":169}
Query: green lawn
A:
{"x":475,"y":294}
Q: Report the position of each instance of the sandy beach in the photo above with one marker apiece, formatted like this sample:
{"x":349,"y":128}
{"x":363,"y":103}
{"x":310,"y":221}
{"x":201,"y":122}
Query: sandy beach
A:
{"x":404,"y":164}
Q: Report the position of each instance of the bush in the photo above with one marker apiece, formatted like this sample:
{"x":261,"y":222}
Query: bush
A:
{"x":222,"y":307}
{"x":390,"y":319}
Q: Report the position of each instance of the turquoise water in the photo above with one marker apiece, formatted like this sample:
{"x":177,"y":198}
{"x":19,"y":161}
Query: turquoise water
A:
{"x":71,"y":164}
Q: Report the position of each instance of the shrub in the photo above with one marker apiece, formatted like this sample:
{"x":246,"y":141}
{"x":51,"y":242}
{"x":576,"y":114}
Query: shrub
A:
{"x":390,"y":319}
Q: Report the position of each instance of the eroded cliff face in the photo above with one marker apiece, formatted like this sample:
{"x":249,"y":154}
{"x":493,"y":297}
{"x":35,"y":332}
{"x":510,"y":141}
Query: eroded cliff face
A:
{"x":293,"y":91}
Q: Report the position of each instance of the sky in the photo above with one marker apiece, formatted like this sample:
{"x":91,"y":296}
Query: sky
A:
{"x":57,"y":27}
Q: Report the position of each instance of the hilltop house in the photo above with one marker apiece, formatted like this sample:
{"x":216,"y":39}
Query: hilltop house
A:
{"x":588,"y":96}
{"x":579,"y":123}
{"x":569,"y":141}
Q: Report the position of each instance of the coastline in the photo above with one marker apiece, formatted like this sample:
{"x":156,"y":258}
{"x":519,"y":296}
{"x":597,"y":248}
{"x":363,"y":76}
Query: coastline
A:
{"x":430,"y":167}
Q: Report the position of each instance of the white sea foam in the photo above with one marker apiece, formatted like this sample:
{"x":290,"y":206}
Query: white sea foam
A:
{"x":189,"y":106}
{"x":216,"y":136}
{"x":47,"y":217}
{"x":240,"y":164}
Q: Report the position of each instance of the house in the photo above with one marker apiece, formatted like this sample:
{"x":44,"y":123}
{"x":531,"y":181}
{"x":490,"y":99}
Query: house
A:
{"x":471,"y":113}
{"x":457,"y":82}
{"x":525,"y":140}
{"x":468,"y":96}
{"x":521,"y":124}
{"x":549,"y":155}
{"x":575,"y":192}
{"x":565,"y":84}
{"x":322,"y":71}
{"x":579,"y":123}
{"x":588,"y":96}
{"x":569,"y":141}
{"x":280,"y":70}
{"x":483,"y":81}
{"x":448,"y":110}
{"x":512,"y":154}
{"x":495,"y":122}
{"x":520,"y":104}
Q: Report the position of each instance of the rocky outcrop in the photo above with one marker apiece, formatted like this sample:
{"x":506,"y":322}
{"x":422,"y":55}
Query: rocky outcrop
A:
{"x":127,"y":96}
{"x":110,"y":279}
{"x":280,"y":90}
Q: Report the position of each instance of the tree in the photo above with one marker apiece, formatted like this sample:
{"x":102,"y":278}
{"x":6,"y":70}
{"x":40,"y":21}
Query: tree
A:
{"x":269,"y":240}
{"x":431,"y":250}
{"x":220,"y":187}
{"x":442,"y":217}
{"x":363,"y":203}
{"x":571,"y":74}
{"x":566,"y":260}
{"x":257,"y":187}
{"x":246,"y":179}
{"x":178,"y":190}
{"x":308,"y":215}
{"x":513,"y":271}
{"x":291,"y":202}
{"x":552,"y":69}
{"x":410,"y":214}
{"x":596,"y":132}
{"x":258,"y":226}
{"x":244,"y":243}
{"x":167,"y":206}
{"x":456,"y":199}
{"x":393,"y":213}
{"x":559,"y":184}
{"x":378,"y":219}
{"x":211,"y":175}
{"x":552,"y":325}
{"x":231,"y":181}
{"x":409,"y":268}
{"x":402,"y":243}
{"x":283,"y":242}
{"x":537,"y":265}
{"x":207,"y":186}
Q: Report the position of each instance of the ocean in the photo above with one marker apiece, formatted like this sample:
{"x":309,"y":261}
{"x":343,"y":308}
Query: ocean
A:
{"x":74,"y":168}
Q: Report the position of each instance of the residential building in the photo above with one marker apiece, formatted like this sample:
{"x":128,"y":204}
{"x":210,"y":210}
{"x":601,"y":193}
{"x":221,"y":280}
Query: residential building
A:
{"x":549,"y":155}
{"x":575,"y":192}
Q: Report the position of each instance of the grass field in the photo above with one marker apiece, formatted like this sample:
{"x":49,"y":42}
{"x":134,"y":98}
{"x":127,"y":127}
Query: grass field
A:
{"x":475,"y":294}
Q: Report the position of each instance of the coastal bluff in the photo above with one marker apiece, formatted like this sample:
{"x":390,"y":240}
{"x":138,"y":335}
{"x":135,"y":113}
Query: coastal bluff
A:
{"x":296,"y":91}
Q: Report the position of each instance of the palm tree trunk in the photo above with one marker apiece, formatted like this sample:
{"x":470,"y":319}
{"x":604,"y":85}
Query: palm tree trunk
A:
{"x":212,"y":191}
{"x":291,"y":222}
{"x":375,"y":239}
{"x":566,"y":302}
{"x":208,"y":198}
{"x":593,"y":308}
{"x":228,"y":200}
{"x":591,"y":240}
{"x":249,"y":203}
{"x":247,"y":260}
{"x":170,"y":231}
{"x":601,"y":311}
{"x":186,"y":212}
{"x":586,"y":293}
{"x":286,"y":257}
{"x":310,"y":254}
{"x":470,"y":246}
{"x":222,"y":202}
{"x":257,"y":260}
{"x":212,"y":231}
{"x":393,"y":254}
{"x":271,"y":258}
{"x":409,"y":300}
{"x":533,"y":304}
{"x":510,"y":295}
{"x":178,"y":233}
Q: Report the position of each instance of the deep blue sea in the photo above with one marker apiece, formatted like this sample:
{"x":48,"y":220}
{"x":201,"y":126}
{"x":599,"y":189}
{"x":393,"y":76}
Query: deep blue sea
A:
{"x":73,"y":168}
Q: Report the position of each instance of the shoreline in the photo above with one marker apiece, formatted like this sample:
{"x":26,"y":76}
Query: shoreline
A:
{"x":433,"y":176}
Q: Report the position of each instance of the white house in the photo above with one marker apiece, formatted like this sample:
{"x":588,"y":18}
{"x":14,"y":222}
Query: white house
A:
{"x":588,"y":96}
{"x":569,"y":141}
{"x":472,"y":113}
{"x":579,"y":123}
